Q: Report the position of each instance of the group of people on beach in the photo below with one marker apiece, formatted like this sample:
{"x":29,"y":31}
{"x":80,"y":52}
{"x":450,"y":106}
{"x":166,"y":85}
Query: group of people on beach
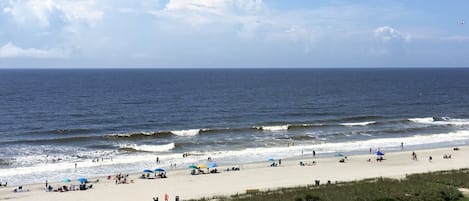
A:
{"x":121,"y":178}
{"x":72,"y":187}
{"x":166,"y":198}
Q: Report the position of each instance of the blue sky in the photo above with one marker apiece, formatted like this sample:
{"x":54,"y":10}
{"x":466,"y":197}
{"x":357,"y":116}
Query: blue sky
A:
{"x":233,"y":33}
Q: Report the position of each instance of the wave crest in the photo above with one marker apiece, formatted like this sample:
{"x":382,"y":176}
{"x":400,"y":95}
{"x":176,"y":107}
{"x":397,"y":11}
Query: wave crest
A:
{"x":147,"y":148}
{"x":359,"y":123}
{"x":273,"y":128}
{"x":440,"y":121}
{"x":186,"y":133}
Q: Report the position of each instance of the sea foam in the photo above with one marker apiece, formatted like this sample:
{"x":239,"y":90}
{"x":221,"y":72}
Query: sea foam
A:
{"x":149,"y":148}
{"x":274,"y":128}
{"x":186,"y":133}
{"x":440,"y":121}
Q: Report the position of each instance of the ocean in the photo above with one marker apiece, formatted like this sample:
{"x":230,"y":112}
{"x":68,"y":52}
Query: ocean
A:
{"x":106,"y":121}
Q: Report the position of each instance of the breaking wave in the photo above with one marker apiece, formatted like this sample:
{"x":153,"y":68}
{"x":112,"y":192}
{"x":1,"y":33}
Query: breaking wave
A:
{"x":440,"y":121}
{"x":273,"y":128}
{"x":359,"y":123}
{"x":147,"y":148}
{"x":186,"y":133}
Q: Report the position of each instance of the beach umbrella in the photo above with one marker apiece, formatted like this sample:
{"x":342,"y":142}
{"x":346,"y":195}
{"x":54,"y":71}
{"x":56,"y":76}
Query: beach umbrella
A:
{"x":202,"y":165}
{"x":339,"y":155}
{"x":271,"y":159}
{"x":148,"y":171}
{"x":212,"y":165}
{"x":193,"y":166}
{"x":66,"y":180}
{"x":82,"y":180}
{"x":158,"y":169}
{"x":379,"y":153}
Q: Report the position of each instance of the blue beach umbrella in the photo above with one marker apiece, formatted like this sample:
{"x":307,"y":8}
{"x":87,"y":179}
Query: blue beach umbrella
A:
{"x":212,"y":165}
{"x":82,"y":180}
{"x":148,"y":171}
{"x":271,"y":159}
{"x":379,"y":153}
{"x":158,"y":169}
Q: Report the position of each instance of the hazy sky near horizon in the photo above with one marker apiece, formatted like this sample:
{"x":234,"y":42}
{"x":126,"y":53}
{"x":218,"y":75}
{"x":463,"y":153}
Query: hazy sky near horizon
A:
{"x":233,"y":33}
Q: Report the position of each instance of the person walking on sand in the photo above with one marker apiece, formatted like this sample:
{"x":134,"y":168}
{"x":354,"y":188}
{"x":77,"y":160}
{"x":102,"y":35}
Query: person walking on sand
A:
{"x":166,"y":197}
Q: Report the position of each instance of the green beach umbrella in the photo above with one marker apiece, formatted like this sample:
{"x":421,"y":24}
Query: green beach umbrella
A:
{"x":66,"y":180}
{"x":193,"y":166}
{"x":339,"y":155}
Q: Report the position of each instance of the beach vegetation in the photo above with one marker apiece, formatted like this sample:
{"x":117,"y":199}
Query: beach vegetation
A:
{"x":434,"y":186}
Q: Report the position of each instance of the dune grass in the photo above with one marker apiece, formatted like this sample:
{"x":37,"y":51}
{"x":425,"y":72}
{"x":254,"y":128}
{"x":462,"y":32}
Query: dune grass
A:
{"x":435,"y":186}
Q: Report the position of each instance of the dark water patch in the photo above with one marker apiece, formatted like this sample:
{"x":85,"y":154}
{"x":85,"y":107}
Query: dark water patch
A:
{"x":101,"y":146}
{"x":357,"y":118}
{"x":303,"y":137}
{"x":63,"y":131}
{"x":132,"y":150}
{"x":74,"y":139}
{"x":5,"y":162}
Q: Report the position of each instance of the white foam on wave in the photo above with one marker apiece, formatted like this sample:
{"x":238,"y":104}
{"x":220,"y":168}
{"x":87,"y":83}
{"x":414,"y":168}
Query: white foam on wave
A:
{"x":426,"y":120}
{"x":131,"y":134}
{"x":260,"y":154}
{"x":186,"y":133}
{"x":443,"y":121}
{"x":274,"y":128}
{"x":150,"y":148}
{"x":359,"y":123}
{"x":134,"y":163}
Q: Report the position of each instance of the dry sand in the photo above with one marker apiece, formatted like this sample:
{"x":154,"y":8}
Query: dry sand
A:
{"x":253,"y":176}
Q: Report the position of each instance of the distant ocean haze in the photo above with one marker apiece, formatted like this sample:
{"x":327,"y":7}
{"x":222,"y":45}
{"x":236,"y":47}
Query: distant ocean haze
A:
{"x":52,"y":119}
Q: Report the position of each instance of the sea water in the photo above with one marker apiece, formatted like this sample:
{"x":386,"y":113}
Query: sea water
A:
{"x":119,"y":120}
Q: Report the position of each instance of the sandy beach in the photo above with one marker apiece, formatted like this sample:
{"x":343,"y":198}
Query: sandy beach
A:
{"x":254,"y":176}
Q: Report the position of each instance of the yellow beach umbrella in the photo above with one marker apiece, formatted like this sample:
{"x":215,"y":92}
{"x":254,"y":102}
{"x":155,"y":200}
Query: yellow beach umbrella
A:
{"x":202,"y":165}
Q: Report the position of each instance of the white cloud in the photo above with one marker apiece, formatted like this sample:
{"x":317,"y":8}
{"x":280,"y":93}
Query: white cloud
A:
{"x":203,"y":12}
{"x":43,"y":12}
{"x":458,"y":38}
{"x":386,"y":33}
{"x":10,"y":50}
{"x":219,"y":7}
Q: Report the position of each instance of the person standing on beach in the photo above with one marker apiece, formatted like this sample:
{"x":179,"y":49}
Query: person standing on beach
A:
{"x":402,"y":145}
{"x":157,"y":160}
{"x":314,"y":153}
{"x":166,"y":197}
{"x":75,"y":165}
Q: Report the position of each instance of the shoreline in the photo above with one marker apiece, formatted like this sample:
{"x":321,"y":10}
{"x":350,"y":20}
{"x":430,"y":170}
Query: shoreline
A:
{"x":258,"y":175}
